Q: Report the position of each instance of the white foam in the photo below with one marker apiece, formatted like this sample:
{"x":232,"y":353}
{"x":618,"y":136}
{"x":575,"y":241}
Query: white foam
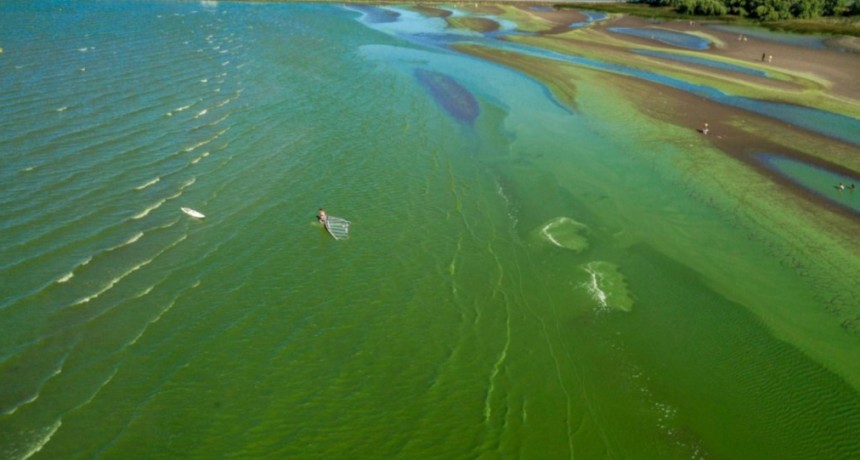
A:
{"x":21,"y":404}
{"x":66,"y":277}
{"x":200,"y":144}
{"x":549,"y":236}
{"x":508,"y":205}
{"x":49,"y":432}
{"x":188,"y":183}
{"x":219,"y":120}
{"x":593,"y":287}
{"x":112,"y":283}
{"x":148,"y":184}
{"x":57,"y":371}
{"x":197,"y":160}
{"x":149,"y":209}
{"x":129,"y":241}
{"x":179,"y":109}
{"x":145,"y":292}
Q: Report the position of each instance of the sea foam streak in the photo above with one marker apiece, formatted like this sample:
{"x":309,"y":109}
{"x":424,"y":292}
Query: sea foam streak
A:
{"x":128,"y":272}
{"x":607,"y":286}
{"x":188,"y":183}
{"x":40,"y":443}
{"x":149,"y":209}
{"x":127,"y":242}
{"x":202,"y":156}
{"x":204,"y":142}
{"x":548,"y":235}
{"x":69,"y":275}
{"x":593,"y":286}
{"x":58,"y":369}
{"x":111,"y":284}
{"x":148,"y":184}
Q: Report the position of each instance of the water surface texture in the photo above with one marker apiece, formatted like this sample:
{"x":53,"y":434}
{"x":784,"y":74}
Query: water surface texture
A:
{"x":520,"y":280}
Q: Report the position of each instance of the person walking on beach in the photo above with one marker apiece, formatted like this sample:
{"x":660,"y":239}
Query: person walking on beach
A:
{"x":705,"y":129}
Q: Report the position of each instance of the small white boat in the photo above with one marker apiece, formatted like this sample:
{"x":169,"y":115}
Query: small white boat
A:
{"x":337,"y":227}
{"x":193,"y":213}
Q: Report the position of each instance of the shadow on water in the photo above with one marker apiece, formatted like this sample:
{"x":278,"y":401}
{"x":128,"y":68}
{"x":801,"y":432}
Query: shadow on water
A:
{"x":452,"y":96}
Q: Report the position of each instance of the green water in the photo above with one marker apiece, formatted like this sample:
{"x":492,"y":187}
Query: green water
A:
{"x":641,"y":324}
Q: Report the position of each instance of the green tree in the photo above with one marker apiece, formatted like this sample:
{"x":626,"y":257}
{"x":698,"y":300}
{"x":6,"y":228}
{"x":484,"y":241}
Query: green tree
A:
{"x":836,"y":7}
{"x":807,"y":9}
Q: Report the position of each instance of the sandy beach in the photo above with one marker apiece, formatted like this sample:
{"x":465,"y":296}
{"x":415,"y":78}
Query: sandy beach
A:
{"x":727,"y":168}
{"x":810,"y":75}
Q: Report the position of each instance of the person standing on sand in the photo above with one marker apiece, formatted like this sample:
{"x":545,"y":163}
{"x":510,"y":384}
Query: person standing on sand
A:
{"x":705,"y":129}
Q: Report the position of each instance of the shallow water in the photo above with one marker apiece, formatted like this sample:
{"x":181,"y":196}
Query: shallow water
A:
{"x":669,"y":37}
{"x":519,"y":281}
{"x":818,"y":180}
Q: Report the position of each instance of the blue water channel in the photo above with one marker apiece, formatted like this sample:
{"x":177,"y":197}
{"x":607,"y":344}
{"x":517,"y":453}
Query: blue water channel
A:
{"x":827,"y":184}
{"x":433,"y":32}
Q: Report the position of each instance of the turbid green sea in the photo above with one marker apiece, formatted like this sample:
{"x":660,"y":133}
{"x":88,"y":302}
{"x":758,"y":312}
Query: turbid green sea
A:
{"x":524,"y":277}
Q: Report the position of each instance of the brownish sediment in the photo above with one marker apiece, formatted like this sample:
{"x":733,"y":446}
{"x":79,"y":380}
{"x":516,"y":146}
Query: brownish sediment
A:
{"x":837,"y":67}
{"x":432,"y":12}
{"x":474,"y":24}
{"x":819,"y":76}
{"x":560,"y":20}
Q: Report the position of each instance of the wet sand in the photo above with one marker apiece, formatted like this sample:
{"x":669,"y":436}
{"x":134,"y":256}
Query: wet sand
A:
{"x":815,"y":77}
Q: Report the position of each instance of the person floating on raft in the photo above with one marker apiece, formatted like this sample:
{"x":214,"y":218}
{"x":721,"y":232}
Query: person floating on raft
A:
{"x":321,"y":216}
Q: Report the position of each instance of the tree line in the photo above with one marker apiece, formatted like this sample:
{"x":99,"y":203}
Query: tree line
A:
{"x":763,"y":10}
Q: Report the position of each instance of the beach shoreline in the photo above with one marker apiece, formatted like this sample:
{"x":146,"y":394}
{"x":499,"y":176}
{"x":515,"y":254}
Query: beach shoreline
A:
{"x":725,"y":166}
